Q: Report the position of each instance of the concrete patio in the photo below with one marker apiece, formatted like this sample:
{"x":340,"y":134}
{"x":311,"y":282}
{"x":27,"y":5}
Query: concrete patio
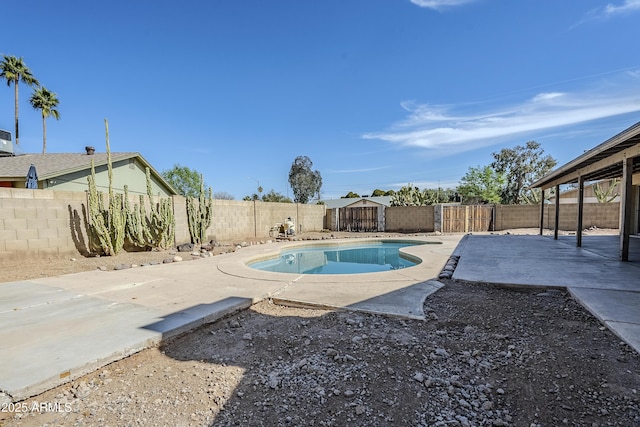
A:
{"x":593,"y":274}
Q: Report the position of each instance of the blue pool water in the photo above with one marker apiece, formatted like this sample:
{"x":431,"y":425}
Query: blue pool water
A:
{"x":348,"y":259}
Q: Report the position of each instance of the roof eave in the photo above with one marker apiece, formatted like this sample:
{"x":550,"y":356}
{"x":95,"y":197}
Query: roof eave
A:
{"x":575,"y":165}
{"x":67,"y":171}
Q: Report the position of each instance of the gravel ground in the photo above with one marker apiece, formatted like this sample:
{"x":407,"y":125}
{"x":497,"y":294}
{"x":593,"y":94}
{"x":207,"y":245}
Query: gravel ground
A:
{"x":486,"y":356}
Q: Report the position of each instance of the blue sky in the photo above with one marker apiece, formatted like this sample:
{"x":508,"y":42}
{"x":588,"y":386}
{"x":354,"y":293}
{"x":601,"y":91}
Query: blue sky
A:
{"x":377,"y":93}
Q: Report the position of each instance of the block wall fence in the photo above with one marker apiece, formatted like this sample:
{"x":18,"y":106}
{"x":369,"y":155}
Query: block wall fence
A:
{"x":601,"y":215}
{"x":409,"y":219}
{"x":421,"y":218}
{"x":48,"y":222}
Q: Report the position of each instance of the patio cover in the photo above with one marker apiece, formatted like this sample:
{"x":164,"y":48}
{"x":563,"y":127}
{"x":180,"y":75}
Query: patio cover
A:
{"x":617,"y":157}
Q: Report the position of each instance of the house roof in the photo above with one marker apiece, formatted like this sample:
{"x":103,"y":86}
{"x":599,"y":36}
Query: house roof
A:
{"x":341,"y":203}
{"x":601,"y":162}
{"x":52,"y":165}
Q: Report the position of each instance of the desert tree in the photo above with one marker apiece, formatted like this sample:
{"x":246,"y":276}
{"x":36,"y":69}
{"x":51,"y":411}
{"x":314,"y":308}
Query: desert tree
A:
{"x":351,"y":195}
{"x":222,"y":195}
{"x":274,"y":196}
{"x":185,"y":180}
{"x":304,"y":182}
{"x":521,"y":166}
{"x":481,"y":185}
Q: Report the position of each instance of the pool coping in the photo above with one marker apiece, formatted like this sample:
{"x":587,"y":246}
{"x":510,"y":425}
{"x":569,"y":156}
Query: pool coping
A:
{"x":360,"y":243}
{"x":396,"y":292}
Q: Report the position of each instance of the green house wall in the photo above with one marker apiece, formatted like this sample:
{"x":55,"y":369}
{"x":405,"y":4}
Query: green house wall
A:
{"x":129,"y":172}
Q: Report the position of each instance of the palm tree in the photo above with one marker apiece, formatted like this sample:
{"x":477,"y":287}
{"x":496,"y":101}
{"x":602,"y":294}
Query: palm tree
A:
{"x":46,"y":101}
{"x":13,"y":70}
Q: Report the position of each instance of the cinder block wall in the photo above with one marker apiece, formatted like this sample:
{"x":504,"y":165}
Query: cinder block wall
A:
{"x":568,"y":217}
{"x":409,"y":218}
{"x":601,"y":215}
{"x":41,"y":222}
{"x":48,"y":222}
{"x":180,"y":215}
{"x":516,"y":216}
{"x":234,"y":219}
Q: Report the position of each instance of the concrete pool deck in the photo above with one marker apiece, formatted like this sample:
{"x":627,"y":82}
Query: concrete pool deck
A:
{"x":56,"y":329}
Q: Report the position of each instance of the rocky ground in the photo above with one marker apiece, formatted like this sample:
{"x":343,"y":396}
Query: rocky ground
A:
{"x":484,"y":356}
{"x":24,"y":268}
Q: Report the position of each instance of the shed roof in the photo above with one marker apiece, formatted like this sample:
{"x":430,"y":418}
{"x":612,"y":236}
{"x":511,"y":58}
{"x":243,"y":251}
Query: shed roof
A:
{"x":53,"y":165}
{"x":601,"y":162}
{"x":342,"y":203}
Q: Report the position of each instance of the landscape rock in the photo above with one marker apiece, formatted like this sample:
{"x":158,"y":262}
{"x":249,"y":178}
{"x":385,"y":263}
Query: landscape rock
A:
{"x":185,"y":247}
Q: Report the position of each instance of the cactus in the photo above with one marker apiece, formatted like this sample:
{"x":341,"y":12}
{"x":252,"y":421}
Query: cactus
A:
{"x":157,"y":230}
{"x":99,"y":236}
{"x":106,"y":226}
{"x":608,"y":195}
{"x":199,"y":216}
{"x":137,"y":229}
{"x":162,"y":222}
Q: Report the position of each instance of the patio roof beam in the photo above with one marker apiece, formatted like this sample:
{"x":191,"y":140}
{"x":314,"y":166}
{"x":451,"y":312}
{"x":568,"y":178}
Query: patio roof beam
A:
{"x":590,"y":170}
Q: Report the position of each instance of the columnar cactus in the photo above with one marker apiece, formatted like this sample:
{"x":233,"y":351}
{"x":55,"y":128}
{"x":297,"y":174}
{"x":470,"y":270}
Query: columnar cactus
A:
{"x":109,"y":227}
{"x":99,"y":233}
{"x":199,"y":216}
{"x":137,"y":226}
{"x":162,"y":221}
{"x":106,"y":226}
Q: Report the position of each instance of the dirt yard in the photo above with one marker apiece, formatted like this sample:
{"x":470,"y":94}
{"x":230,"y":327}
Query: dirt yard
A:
{"x":486,"y":356}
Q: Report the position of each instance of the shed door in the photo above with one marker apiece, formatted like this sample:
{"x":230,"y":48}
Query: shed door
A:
{"x":359,"y":219}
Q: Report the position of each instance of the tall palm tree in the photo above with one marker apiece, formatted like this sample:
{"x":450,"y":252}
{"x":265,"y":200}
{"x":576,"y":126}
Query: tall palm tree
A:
{"x":46,"y":101}
{"x":13,"y":70}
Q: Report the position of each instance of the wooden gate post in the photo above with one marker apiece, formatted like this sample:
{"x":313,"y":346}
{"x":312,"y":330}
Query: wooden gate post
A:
{"x":466,"y":219}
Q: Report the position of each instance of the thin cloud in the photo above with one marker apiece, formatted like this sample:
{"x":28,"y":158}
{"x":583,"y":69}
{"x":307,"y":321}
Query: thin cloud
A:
{"x":440,"y":4}
{"x":609,"y":11}
{"x":628,"y":6}
{"x":439,"y":128}
{"x":358,"y":170}
{"x":424,"y":184}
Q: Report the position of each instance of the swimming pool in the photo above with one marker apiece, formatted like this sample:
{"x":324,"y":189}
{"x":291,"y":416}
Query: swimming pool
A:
{"x":368,"y":257}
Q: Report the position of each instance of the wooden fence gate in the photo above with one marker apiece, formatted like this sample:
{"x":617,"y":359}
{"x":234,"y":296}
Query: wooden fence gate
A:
{"x":468,"y":218}
{"x":358,"y":219}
